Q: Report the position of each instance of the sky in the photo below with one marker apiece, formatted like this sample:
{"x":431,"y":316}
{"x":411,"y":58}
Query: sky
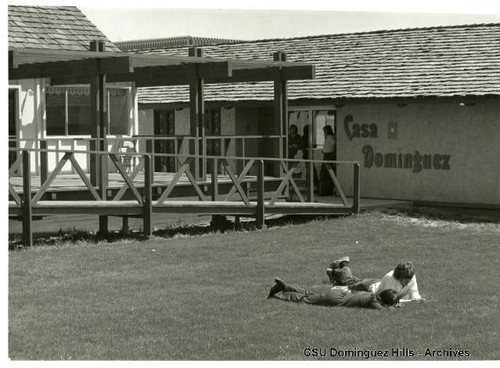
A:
{"x":254,"y":24}
{"x":259,"y":19}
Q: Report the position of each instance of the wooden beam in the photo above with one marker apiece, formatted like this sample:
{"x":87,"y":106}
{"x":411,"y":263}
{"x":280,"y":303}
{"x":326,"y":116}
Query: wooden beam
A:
{"x":72,"y":68}
{"x":173,"y":75}
{"x":160,"y":75}
{"x":56,"y":68}
{"x":267,"y":74}
{"x":30,"y":56}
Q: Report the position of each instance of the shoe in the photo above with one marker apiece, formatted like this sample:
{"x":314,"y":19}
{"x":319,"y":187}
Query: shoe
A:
{"x":276,"y":288}
{"x":280,"y":282}
{"x":343,"y":259}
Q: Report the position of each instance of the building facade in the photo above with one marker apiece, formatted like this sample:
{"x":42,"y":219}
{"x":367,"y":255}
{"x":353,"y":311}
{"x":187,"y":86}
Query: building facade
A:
{"x":417,"y":108}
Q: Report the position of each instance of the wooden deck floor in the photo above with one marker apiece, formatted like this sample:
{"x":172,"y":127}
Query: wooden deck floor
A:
{"x":72,"y":182}
{"x":72,"y":187}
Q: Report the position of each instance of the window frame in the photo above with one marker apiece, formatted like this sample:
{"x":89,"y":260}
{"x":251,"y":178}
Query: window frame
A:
{"x":66,"y":89}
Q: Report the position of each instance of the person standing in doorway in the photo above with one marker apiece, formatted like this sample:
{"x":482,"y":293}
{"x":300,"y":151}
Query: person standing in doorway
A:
{"x":294,"y":141}
{"x":329,"y":154}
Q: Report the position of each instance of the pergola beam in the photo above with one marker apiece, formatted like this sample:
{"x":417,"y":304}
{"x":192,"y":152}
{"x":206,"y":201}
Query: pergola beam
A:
{"x":72,"y":67}
{"x":183,"y":75}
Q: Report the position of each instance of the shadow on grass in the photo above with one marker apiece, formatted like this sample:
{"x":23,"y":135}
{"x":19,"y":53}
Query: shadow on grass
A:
{"x":219,"y":225}
{"x":462,"y":215}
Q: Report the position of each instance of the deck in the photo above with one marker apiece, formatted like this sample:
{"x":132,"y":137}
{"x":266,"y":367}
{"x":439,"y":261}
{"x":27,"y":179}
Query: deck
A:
{"x":52,"y":224}
{"x":71,"y":187}
{"x":150,"y":196}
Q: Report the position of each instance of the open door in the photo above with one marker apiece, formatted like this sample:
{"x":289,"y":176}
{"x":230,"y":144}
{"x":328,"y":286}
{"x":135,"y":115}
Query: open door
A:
{"x":13,"y":132}
{"x":164,"y":127}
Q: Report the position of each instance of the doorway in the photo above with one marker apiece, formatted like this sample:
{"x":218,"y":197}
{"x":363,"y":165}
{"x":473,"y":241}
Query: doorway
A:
{"x":311,"y":121}
{"x":212,"y":129}
{"x":164,"y":132}
{"x":13,"y":132}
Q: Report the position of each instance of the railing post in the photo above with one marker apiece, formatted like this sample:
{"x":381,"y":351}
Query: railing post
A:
{"x":148,"y":197}
{"x":103,"y":186}
{"x":204,"y":158}
{"x":27,"y":211}
{"x":150,"y":150}
{"x":44,"y":169}
{"x":259,"y":218}
{"x":356,"y":189}
{"x":217,"y":220}
{"x":93,"y":162}
{"x":310,"y":181}
{"x":214,"y":179}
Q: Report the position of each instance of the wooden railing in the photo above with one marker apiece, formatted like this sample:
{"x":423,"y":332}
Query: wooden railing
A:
{"x":26,"y":204}
{"x":226,"y":146}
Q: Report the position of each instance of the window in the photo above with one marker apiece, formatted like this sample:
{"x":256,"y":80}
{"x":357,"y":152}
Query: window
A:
{"x":68,"y":110}
{"x":118,"y":109}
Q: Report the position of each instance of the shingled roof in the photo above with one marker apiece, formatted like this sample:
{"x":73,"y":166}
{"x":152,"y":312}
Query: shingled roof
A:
{"x":447,"y":61}
{"x":52,"y":27}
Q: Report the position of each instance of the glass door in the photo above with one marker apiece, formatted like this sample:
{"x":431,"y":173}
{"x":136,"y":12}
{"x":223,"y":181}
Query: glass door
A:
{"x":13,"y":132}
{"x":164,"y":126}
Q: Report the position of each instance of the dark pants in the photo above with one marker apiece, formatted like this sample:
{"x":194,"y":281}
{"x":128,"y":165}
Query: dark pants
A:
{"x":326,"y":186}
{"x":297,"y":294}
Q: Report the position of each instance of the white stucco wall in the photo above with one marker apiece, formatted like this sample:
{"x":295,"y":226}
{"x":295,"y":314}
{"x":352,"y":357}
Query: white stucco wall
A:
{"x":459,"y":147}
{"x":29,"y":115}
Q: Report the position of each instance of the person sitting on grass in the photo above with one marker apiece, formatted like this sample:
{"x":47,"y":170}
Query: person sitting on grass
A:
{"x":387,"y":299}
{"x":402,"y":279}
{"x":340,"y":274}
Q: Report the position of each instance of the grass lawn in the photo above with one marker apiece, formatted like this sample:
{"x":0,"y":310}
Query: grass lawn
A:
{"x":204,"y":297}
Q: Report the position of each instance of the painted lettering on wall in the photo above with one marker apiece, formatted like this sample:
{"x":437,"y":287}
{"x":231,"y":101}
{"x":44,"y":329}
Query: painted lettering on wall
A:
{"x":415,"y":161}
{"x":355,"y":130}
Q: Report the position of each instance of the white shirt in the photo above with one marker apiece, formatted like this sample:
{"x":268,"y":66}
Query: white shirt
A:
{"x":390,"y":282}
{"x":329,"y":144}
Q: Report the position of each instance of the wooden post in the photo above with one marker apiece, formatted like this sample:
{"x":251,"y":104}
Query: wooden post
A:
{"x":148,"y":197}
{"x":44,"y":167}
{"x":125,"y":227}
{"x":214,"y":179}
{"x":259,"y":216}
{"x":103,"y":133}
{"x":102,"y":127}
{"x":150,"y":149}
{"x":356,"y":189}
{"x":98,"y":112}
{"x":281,"y":110}
{"x":197,"y":113}
{"x":27,"y":215}
{"x":217,"y":220}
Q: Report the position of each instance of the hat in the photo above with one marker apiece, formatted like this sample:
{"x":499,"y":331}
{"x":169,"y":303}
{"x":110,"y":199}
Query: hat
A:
{"x":343,"y":259}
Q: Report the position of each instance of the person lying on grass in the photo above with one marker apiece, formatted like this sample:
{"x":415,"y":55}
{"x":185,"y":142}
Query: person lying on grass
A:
{"x":402,"y":279}
{"x":387,"y":299}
